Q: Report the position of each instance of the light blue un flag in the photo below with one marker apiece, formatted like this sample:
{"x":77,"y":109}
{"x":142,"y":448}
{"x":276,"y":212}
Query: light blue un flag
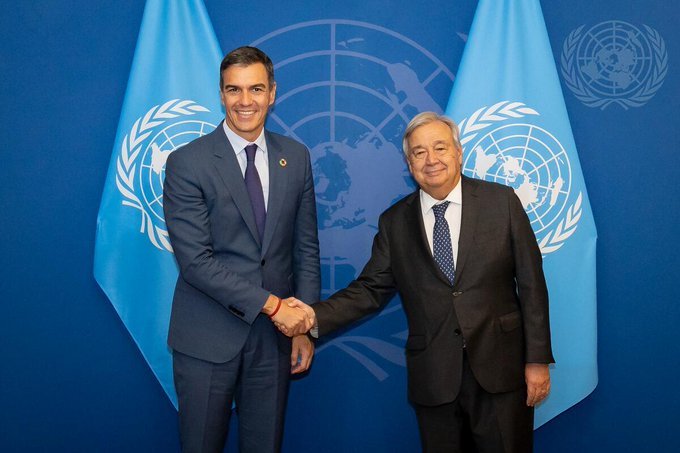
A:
{"x":172,"y":98}
{"x":515,"y":130}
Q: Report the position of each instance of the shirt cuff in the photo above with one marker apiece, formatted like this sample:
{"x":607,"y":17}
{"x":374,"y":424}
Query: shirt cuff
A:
{"x":314,"y":331}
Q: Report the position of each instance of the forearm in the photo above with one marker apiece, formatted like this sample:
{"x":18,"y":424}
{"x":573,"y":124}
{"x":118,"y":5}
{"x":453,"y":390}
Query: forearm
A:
{"x":367,"y":294}
{"x":213,"y":278}
{"x":348,"y":306}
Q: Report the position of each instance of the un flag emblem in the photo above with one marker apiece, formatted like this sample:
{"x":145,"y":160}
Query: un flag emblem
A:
{"x":500,"y":144}
{"x":140,"y":164}
{"x":614,"y":62}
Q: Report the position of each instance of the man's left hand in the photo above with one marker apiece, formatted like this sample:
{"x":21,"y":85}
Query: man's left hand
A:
{"x":537,"y":377}
{"x":301,"y":355}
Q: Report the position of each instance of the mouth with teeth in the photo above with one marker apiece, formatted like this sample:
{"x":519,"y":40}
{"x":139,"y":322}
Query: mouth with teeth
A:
{"x":246,"y":113}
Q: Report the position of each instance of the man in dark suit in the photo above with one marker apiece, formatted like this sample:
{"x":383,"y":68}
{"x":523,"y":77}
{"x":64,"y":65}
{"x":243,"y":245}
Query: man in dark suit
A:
{"x":464,"y":259}
{"x":240,"y":208}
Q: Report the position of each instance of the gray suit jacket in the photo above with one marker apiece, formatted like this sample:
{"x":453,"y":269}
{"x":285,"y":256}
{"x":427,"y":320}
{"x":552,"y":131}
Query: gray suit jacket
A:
{"x":226,"y":274}
{"x":498,"y":304}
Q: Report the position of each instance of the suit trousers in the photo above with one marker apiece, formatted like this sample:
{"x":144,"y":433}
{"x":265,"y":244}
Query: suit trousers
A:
{"x":477,"y":421}
{"x":256,"y":380}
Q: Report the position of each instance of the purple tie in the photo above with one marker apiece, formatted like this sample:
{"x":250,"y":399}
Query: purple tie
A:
{"x":254,"y":187}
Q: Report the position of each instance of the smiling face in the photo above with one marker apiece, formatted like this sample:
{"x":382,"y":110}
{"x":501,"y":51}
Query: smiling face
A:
{"x":247,"y":95}
{"x":434,"y":160}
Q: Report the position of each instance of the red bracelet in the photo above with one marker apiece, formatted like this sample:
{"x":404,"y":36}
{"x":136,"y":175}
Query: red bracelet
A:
{"x":276,"y":310}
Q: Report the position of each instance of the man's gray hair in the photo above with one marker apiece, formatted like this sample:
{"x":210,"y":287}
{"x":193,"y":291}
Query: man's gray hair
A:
{"x":424,"y":118}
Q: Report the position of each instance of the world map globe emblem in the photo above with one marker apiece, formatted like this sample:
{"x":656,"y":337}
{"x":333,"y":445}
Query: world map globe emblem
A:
{"x":155,"y":155}
{"x":347,"y":89}
{"x":530,"y":160}
{"x":614,"y":62}
{"x":615,"y":57}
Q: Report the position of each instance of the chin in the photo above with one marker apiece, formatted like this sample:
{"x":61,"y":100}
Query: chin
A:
{"x":436,"y":184}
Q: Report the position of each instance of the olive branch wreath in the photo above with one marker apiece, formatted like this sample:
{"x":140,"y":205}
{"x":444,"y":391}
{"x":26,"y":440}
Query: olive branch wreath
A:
{"x":131,"y":147}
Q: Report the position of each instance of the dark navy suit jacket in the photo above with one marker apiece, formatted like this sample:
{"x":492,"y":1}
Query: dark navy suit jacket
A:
{"x":498,"y":303}
{"x":226,"y":272}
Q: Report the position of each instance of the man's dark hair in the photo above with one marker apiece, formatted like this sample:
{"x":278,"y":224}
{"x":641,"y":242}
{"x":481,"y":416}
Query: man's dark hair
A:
{"x":245,"y":56}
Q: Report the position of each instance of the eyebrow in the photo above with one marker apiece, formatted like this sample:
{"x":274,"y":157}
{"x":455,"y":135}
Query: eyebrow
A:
{"x":257,"y":85}
{"x":437,"y":142}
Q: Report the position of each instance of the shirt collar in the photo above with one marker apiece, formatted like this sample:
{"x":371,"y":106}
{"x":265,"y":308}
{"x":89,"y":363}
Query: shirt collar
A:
{"x":455,"y":196}
{"x":239,"y":143}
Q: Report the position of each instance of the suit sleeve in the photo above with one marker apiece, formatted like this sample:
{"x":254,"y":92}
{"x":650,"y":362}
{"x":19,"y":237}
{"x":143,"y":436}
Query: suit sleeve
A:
{"x":365,"y":295}
{"x":186,"y":215}
{"x":306,"y":270}
{"x":531,"y":287}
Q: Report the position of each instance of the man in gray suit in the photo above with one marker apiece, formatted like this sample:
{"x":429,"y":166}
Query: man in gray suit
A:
{"x":240,"y":208}
{"x":464,"y":259}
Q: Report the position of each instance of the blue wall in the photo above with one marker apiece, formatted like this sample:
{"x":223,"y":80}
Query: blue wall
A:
{"x":71,"y":377}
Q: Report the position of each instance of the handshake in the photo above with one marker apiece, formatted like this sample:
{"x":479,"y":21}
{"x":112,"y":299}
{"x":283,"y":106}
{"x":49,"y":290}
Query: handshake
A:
{"x":292,"y":316}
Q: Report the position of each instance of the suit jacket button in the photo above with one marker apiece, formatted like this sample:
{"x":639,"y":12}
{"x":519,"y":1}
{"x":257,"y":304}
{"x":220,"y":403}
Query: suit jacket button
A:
{"x":262,"y":263}
{"x":457,"y":332}
{"x":457,"y":293}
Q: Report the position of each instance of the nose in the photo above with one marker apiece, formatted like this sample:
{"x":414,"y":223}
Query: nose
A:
{"x":431,"y":157}
{"x":245,"y":98}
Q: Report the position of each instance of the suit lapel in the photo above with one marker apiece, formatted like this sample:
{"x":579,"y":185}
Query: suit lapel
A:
{"x":278,"y":181}
{"x":230,"y":172}
{"x":416,"y":229}
{"x":468,"y":223}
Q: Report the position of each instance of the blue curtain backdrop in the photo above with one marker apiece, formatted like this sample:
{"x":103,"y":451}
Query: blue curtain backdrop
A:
{"x":350,"y":75}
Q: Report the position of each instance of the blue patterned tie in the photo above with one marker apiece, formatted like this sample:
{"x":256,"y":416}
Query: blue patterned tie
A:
{"x":441,"y":239}
{"x":254,"y":187}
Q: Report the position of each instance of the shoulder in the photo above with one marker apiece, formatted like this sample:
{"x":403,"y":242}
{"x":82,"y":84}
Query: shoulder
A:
{"x":493,"y":199}
{"x":196,"y":149}
{"x":283,"y":142}
{"x":398,"y":208}
{"x":486,"y":188}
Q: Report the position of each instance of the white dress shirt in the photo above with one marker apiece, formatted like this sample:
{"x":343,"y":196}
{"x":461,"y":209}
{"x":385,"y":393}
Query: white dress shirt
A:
{"x":452,"y":216}
{"x":261,"y":161}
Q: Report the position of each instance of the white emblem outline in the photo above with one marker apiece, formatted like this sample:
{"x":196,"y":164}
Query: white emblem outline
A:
{"x":503,"y":111}
{"x":130,"y":150}
{"x":586,"y":95}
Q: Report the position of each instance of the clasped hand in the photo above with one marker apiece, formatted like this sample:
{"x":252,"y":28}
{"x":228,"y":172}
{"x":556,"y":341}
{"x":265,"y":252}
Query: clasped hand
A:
{"x":294,"y":317}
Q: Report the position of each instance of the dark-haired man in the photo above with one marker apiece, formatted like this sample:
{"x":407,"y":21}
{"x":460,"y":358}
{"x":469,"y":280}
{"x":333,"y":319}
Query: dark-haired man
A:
{"x":240,"y":208}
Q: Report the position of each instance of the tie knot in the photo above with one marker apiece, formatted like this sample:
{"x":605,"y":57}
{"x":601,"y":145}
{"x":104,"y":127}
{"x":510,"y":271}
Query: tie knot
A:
{"x":440,"y":209}
{"x":250,"y":152}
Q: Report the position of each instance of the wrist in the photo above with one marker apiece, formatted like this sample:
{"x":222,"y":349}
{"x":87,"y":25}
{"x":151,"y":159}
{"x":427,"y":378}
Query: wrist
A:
{"x":276,"y":308}
{"x":270,"y":305}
